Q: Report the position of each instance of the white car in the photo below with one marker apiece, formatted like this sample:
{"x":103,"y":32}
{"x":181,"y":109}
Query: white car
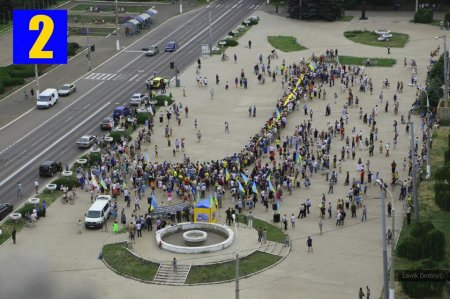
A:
{"x":138,"y":99}
{"x":86,"y":141}
{"x":67,"y":89}
{"x":103,"y":197}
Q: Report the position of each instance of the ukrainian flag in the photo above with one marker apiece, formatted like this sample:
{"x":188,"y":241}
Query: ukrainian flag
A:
{"x":254,"y":188}
{"x":102,"y":182}
{"x":245,"y":178}
{"x":271,"y":186}
{"x":241,"y":189}
{"x":153,"y":205}
{"x":227,"y":175}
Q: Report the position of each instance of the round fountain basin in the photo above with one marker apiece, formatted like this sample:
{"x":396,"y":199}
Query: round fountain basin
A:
{"x":196,"y":230}
{"x":195,"y":236}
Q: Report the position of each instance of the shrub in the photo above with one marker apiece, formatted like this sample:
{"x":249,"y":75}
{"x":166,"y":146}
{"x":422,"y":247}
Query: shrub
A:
{"x":420,"y":229}
{"x":442,"y":199}
{"x":117,"y":135}
{"x":410,"y":248}
{"x":95,"y":159}
{"x":160,"y":99}
{"x":435,"y":244}
{"x":447,"y":16}
{"x":231,"y":43}
{"x":69,"y":181}
{"x":424,"y":16}
{"x":142,"y":117}
{"x":423,"y":289}
{"x":447,"y":155}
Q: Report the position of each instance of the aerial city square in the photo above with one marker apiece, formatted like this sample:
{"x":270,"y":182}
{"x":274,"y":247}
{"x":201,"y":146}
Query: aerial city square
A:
{"x":224,"y":149}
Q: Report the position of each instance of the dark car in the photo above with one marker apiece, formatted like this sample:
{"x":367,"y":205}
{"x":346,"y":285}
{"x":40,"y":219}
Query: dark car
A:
{"x":5,"y":209}
{"x":49,"y":168}
{"x":172,"y":46}
{"x":107,"y":123}
{"x":121,"y":110}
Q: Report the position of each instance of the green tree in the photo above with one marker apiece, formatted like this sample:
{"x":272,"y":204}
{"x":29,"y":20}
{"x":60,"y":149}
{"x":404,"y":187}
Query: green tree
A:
{"x":329,"y":10}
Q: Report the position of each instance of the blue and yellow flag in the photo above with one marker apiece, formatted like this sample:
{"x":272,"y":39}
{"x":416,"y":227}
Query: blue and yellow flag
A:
{"x":254,"y":189}
{"x":245,"y":178}
{"x":102,"y":182}
{"x":241,"y":189}
{"x":227,"y":175}
{"x":153,"y":205}
{"x":271,"y":186}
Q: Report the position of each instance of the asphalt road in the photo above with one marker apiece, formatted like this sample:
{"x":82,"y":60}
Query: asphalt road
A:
{"x":51,"y":134}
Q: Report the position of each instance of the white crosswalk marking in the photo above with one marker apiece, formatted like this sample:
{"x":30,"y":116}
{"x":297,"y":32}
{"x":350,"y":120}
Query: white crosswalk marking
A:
{"x":250,"y":7}
{"x":131,"y":79}
{"x":110,"y":76}
{"x":116,"y":77}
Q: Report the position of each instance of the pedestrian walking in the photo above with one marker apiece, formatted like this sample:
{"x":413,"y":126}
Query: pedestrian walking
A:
{"x":235,"y":58}
{"x":199,"y":136}
{"x":79,"y":225}
{"x":389,"y":49}
{"x":361,"y":294}
{"x":364,"y":213}
{"x":254,"y":111}
{"x":293,"y":220}
{"x":25,"y":94}
{"x":115,"y":227}
{"x":13,"y":235}
{"x":320,"y":225}
{"x":227,"y":128}
{"x":174,"y":265}
{"x":249,"y":111}
{"x":212,"y":94}
{"x":309,"y":244}
{"x":285,"y":222}
{"x":367,"y":292}
{"x":36,"y":187}
{"x":44,"y":208}
{"x":249,"y":44}
{"x":32,"y":93}
{"x":19,"y":189}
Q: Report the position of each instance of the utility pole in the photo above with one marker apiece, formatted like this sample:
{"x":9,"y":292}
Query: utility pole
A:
{"x":445,"y":71}
{"x":237,"y":262}
{"x":88,"y":48}
{"x":427,"y":122}
{"x":117,"y":28}
{"x":181,"y":7}
{"x":414,"y":175}
{"x":383,"y":236}
{"x":392,"y":272}
{"x":36,"y":74}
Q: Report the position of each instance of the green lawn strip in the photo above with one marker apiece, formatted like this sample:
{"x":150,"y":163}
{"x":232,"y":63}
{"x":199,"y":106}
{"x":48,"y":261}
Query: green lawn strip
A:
{"x":345,"y":18}
{"x":125,"y":263}
{"x":9,"y":224}
{"x":428,"y":209}
{"x":383,"y":62}
{"x":4,"y":27}
{"x":225,"y":271}
{"x":274,"y":233}
{"x":285,"y":43}
{"x":366,"y":37}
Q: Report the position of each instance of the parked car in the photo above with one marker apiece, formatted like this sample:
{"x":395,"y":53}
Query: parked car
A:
{"x":103,"y":197}
{"x":121,"y":110}
{"x":67,"y":89}
{"x":107,"y":123}
{"x":5,"y":209}
{"x":86,"y":141}
{"x":171,"y":46}
{"x":138,"y":99}
{"x":151,"y":51}
{"x":97,"y":214}
{"x":49,"y":168}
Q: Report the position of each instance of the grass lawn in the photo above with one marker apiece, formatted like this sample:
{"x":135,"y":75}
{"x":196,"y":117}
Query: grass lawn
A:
{"x":120,"y":259}
{"x":427,"y":207}
{"x":5,"y":26}
{"x":386,"y":62}
{"x":93,"y":31}
{"x":8,"y":226}
{"x":345,"y":18}
{"x":285,"y":43}
{"x":366,"y":37}
{"x":274,"y":233}
{"x":226,"y":271}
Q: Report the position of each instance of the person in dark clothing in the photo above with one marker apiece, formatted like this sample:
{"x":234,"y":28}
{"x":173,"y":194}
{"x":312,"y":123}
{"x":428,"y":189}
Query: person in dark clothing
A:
{"x":13,"y":235}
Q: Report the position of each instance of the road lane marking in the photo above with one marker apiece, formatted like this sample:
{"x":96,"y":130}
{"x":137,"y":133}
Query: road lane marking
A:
{"x":52,"y":145}
{"x":109,"y":77}
{"x":131,"y":79}
{"x":55,"y":115}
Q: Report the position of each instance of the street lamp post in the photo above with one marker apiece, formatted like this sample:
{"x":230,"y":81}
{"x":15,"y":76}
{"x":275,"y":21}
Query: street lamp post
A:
{"x":117,"y":28}
{"x":237,"y":262}
{"x":392,"y":269}
{"x":383,"y":236}
{"x":428,"y":174}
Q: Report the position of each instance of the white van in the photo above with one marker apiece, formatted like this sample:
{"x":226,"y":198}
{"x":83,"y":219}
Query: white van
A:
{"x":47,"y":98}
{"x":97,"y":214}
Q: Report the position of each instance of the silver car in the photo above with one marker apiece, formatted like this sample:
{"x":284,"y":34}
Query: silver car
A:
{"x":86,"y":141}
{"x":67,"y":89}
{"x":138,"y":99}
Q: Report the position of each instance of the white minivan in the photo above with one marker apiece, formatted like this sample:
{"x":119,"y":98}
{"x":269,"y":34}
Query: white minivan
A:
{"x":97,"y":214}
{"x":47,"y":98}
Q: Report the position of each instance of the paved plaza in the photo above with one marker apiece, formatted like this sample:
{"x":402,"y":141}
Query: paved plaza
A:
{"x":345,"y":258}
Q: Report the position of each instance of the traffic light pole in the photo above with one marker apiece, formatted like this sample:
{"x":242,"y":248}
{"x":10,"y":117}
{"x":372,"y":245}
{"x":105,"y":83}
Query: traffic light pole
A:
{"x":88,"y":48}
